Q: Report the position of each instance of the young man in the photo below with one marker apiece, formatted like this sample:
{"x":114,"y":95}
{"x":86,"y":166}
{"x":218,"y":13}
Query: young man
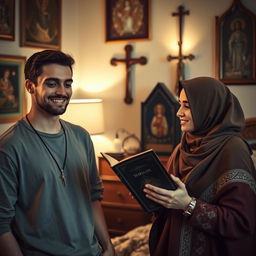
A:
{"x":49,"y":184}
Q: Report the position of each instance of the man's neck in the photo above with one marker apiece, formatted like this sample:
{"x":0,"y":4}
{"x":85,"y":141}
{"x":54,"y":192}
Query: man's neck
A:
{"x":44,"y":122}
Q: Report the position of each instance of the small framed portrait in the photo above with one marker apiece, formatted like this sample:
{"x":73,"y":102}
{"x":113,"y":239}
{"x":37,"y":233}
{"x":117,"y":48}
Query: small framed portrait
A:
{"x":40,"y":23}
{"x":127,"y":20}
{"x":7,"y":21}
{"x":160,"y":129}
{"x":12,"y":90}
{"x":235,"y":45}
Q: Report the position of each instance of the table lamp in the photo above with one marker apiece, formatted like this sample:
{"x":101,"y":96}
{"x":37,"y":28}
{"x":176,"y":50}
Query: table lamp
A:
{"x":88,"y":113}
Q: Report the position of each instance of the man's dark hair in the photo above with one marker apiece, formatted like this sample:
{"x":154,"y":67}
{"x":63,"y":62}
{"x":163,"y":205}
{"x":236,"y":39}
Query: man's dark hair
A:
{"x":33,"y":66}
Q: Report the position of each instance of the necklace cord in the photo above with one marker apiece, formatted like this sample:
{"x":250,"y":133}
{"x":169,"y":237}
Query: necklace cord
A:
{"x":49,"y":151}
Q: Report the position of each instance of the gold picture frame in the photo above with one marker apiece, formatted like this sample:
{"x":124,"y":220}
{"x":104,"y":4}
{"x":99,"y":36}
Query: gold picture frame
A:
{"x":235,"y":45}
{"x":12,"y":90}
{"x":40,"y":24}
{"x":7,"y":21}
{"x":127,"y":20}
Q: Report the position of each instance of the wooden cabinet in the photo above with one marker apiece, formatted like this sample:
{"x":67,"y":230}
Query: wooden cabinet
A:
{"x":122,"y":212}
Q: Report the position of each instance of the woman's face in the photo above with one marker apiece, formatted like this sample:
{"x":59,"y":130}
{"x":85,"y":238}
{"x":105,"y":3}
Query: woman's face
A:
{"x":184,"y":114}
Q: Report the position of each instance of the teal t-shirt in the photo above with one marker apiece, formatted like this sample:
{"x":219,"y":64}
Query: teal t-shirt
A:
{"x":46,"y":217}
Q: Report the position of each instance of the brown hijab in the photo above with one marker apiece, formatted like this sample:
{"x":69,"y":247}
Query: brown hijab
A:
{"x":218,"y":118}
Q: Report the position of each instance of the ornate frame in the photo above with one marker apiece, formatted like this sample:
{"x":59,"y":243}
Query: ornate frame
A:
{"x":12,"y":91}
{"x":38,"y":29}
{"x":126,"y":20}
{"x":160,"y":133}
{"x":7,"y":24}
{"x":235,"y":45}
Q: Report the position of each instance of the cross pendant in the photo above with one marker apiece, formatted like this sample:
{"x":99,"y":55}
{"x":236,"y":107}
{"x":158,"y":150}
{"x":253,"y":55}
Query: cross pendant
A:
{"x":63,"y":177}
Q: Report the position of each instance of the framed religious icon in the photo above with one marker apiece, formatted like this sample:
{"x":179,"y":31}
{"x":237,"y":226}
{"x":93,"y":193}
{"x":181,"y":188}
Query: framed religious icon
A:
{"x":7,"y":21}
{"x":12,"y":90}
{"x":40,"y":23}
{"x":127,"y":20}
{"x":235,"y":45}
{"x":160,"y":129}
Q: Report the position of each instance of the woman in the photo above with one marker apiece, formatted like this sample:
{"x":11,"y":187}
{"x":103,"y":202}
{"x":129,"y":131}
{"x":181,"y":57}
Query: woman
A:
{"x":213,"y":210}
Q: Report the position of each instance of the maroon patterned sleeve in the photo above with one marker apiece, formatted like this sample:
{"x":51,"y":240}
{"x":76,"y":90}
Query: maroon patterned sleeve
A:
{"x":231,"y":215}
{"x":204,"y":216}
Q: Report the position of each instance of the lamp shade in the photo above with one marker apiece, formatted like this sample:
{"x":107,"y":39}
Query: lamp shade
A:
{"x":87,"y":113}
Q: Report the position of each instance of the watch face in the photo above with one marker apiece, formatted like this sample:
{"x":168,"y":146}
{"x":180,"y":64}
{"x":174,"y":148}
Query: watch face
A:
{"x":131,"y":145}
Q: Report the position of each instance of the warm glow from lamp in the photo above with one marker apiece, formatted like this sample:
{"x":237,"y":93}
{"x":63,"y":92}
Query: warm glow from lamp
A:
{"x":87,"y":113}
{"x":187,"y":47}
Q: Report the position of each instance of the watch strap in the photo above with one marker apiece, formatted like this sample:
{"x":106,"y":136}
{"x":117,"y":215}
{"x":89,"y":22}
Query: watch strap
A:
{"x":190,"y":208}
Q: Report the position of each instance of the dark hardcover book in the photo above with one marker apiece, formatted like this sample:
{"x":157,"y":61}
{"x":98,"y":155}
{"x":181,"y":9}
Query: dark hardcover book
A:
{"x":138,"y":170}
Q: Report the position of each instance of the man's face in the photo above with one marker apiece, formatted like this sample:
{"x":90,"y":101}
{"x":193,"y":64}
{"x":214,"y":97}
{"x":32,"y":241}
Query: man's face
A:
{"x":54,"y":89}
{"x":184,"y":114}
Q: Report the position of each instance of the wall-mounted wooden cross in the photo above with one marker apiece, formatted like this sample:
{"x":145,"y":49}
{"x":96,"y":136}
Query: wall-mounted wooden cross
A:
{"x":128,"y":61}
{"x":180,"y":57}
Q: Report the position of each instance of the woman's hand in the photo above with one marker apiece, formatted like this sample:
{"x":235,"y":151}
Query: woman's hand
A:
{"x":172,"y":199}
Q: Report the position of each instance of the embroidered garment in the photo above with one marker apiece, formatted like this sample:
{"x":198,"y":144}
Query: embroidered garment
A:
{"x":218,"y":172}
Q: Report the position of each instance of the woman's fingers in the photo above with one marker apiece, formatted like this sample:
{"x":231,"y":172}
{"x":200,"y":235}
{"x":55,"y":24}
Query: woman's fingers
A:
{"x":176,"y":199}
{"x":159,"y":195}
{"x":158,"y":190}
{"x":178,"y":182}
{"x":164,"y":202}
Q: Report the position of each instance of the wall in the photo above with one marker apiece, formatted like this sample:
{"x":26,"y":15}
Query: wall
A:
{"x":83,"y":37}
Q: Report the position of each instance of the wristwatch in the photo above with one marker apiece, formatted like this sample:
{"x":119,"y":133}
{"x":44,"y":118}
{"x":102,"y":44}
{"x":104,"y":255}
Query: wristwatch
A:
{"x":190,"y":208}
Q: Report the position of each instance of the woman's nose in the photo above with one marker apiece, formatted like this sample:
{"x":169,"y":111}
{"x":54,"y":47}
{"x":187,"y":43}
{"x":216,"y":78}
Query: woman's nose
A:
{"x":179,"y":112}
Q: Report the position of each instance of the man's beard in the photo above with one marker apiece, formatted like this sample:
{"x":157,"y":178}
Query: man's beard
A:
{"x":51,"y":109}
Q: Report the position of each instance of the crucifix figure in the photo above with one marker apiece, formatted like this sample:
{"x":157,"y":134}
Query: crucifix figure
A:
{"x":180,"y":57}
{"x":128,"y":61}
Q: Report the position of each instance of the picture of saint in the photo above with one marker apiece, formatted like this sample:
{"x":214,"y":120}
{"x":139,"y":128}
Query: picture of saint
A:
{"x":127,"y":17}
{"x":159,"y":124}
{"x":238,"y":59}
{"x":8,"y":100}
{"x":42,"y":25}
{"x":5,"y":17}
